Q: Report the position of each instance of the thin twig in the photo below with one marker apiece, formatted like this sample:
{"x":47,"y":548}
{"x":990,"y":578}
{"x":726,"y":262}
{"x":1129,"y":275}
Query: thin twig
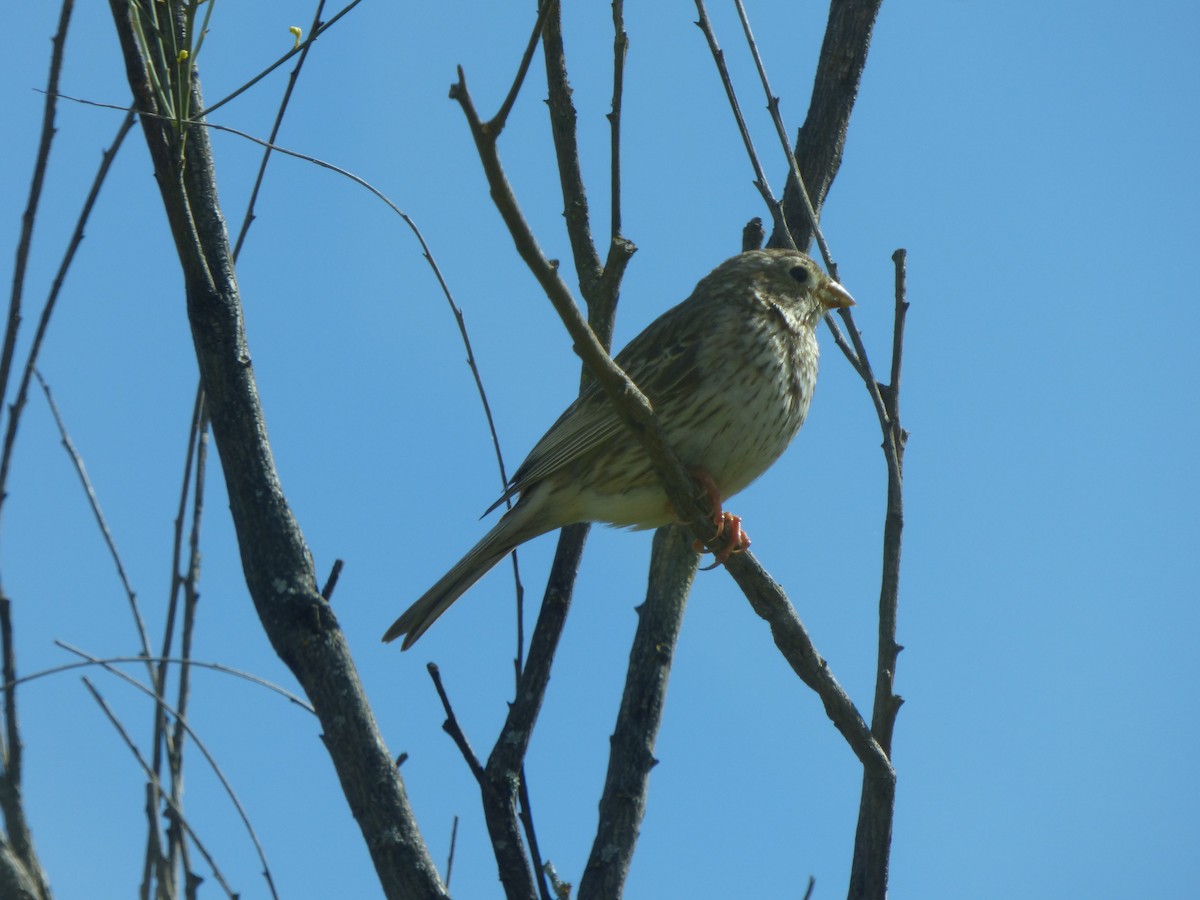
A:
{"x":900,"y":258}
{"x":760,"y":176}
{"x":473,"y":365}
{"x":773,"y":106}
{"x":496,"y":125}
{"x":18,"y":404}
{"x":303,"y":47}
{"x":23,"y":861}
{"x":620,"y":50}
{"x":121,"y":660}
{"x":248,"y":218}
{"x":887,"y":704}
{"x":450,"y":856}
{"x":774,"y":206}
{"x":191,"y":596}
{"x":331,"y":582}
{"x":41,"y":161}
{"x":208,"y":757}
{"x":177,"y":814}
{"x":525,"y":813}
{"x":451,"y":726}
{"x":94,"y":503}
{"x":564,"y":133}
{"x":154,"y":861}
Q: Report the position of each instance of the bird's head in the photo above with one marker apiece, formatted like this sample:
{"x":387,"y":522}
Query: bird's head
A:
{"x":792,"y":275}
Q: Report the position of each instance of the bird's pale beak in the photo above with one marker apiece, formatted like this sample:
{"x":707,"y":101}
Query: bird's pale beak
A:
{"x":834,"y":296}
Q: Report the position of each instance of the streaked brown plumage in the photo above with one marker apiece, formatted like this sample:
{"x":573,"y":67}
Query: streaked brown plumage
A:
{"x":730,"y":372}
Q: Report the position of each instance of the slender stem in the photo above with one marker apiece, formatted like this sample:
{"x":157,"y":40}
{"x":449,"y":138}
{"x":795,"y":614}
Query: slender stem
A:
{"x":18,"y":404}
{"x":451,"y":726}
{"x":98,"y":513}
{"x":177,"y":813}
{"x":29,"y":217}
{"x":226,"y":785}
{"x":496,"y":125}
{"x":798,"y":180}
{"x":284,"y":102}
{"x":620,"y":50}
{"x":760,"y":177}
{"x":301,"y":48}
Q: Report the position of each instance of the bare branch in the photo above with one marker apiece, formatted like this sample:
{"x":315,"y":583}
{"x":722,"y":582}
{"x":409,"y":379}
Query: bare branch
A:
{"x":176,"y":813}
{"x":869,"y":873}
{"x":41,"y":161}
{"x":275,"y":559}
{"x":498,"y":121}
{"x":116,"y":660}
{"x":155,"y":863}
{"x":248,"y":218}
{"x":566,"y":149}
{"x":226,"y":785}
{"x":302,"y":47}
{"x":451,"y":726}
{"x":791,"y":637}
{"x":620,"y":49}
{"x":822,"y":138}
{"x":525,"y":813}
{"x":331,"y":582}
{"x":18,"y":404}
{"x":623,"y":801}
{"x":810,"y":214}
{"x":94,"y":503}
{"x":20,"y":867}
{"x":450,"y":856}
{"x":760,"y":177}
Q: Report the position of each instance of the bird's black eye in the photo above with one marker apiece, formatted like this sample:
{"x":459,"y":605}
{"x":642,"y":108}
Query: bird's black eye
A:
{"x":800,"y":274}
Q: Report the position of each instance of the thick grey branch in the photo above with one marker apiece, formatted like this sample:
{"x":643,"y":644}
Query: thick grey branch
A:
{"x":276,"y":562}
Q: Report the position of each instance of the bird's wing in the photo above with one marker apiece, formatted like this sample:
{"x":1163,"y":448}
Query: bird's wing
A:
{"x":591,"y":421}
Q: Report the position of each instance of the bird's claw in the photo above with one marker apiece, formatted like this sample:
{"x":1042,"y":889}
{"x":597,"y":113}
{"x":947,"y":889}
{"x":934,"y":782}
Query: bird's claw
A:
{"x":736,"y":541}
{"x":727,"y":524}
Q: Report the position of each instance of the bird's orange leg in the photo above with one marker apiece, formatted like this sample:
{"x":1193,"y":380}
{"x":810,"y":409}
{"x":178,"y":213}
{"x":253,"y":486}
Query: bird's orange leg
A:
{"x":727,"y":523}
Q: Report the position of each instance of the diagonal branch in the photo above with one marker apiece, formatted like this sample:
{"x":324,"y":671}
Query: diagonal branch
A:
{"x":275,"y":559}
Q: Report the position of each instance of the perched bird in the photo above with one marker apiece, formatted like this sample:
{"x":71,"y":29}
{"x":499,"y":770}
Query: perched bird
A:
{"x":730,"y":374}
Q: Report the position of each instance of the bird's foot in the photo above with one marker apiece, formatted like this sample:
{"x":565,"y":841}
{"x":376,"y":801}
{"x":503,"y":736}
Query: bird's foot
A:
{"x":736,"y":540}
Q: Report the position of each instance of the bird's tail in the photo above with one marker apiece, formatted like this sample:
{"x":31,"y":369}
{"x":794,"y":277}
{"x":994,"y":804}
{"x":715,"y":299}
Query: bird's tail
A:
{"x":510,"y":531}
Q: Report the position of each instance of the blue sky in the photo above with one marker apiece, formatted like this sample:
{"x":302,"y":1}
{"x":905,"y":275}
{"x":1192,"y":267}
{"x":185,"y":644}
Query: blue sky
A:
{"x":1038,"y":162}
